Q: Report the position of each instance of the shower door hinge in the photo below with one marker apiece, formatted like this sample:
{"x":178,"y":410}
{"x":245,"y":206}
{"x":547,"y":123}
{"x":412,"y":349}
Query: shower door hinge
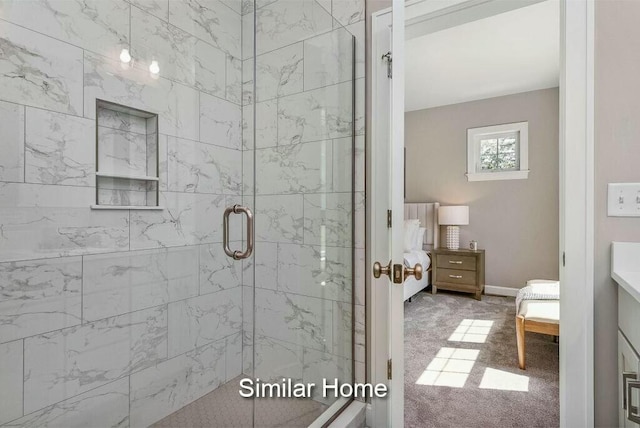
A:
{"x":389,"y":369}
{"x":564,"y":259}
{"x":389,"y":218}
{"x":389,"y":58}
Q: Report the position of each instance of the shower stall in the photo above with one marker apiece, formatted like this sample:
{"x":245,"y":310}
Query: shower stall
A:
{"x":181,"y":207}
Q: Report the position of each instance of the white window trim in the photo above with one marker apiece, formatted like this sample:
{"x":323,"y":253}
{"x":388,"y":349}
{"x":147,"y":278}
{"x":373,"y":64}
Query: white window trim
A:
{"x":474,"y":135}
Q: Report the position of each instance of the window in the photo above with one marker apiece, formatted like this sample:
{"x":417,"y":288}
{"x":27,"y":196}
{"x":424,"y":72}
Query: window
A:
{"x":498,"y":152}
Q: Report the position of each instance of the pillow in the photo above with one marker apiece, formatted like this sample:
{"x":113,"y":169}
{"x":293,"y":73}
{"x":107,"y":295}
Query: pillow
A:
{"x":419,"y":238}
{"x":410,"y":231}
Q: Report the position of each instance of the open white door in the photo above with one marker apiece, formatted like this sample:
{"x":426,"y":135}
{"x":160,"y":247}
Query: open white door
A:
{"x":387,"y":209}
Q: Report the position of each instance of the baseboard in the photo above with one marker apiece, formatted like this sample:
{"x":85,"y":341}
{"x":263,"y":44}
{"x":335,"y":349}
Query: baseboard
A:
{"x":501,"y":291}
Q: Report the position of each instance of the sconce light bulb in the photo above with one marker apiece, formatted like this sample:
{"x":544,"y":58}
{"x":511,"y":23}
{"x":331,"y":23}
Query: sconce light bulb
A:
{"x":154,"y":68}
{"x":125,"y":56}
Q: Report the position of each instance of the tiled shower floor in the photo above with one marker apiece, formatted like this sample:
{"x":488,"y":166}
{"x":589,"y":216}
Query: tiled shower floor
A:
{"x":225,"y":408}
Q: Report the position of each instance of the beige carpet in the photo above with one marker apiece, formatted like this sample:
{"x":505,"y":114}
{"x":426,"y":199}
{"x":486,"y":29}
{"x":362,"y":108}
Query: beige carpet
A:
{"x":461,"y":366}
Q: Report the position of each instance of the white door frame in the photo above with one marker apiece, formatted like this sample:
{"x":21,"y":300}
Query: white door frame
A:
{"x":576,"y":211}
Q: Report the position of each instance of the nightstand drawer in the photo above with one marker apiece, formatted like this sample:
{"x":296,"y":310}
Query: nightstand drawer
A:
{"x":456,"y":276}
{"x":449,"y":261}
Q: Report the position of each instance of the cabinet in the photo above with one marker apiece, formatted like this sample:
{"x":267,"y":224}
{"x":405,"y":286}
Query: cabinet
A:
{"x":458,"y":270}
{"x":628,"y":360}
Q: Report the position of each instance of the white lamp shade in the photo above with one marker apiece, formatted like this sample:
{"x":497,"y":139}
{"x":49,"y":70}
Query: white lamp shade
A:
{"x":453,"y":215}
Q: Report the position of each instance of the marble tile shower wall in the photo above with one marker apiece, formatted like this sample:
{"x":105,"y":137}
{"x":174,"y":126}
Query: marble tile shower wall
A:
{"x":303,"y":151}
{"x":116,"y":316}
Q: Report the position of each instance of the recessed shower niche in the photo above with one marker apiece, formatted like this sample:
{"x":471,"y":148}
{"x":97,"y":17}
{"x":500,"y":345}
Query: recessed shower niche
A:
{"x":126,"y":157}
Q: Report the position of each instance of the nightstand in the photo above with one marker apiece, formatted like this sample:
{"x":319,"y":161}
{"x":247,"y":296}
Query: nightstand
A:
{"x":458,"y":270}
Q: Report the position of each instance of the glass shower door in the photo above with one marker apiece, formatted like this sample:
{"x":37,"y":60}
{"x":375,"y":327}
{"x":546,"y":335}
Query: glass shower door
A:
{"x":299,"y":154}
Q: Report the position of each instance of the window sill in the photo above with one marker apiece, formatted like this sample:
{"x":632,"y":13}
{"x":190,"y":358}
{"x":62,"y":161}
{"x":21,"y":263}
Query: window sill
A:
{"x":491,"y":176}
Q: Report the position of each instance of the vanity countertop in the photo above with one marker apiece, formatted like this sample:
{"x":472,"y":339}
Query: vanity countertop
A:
{"x":625,"y":266}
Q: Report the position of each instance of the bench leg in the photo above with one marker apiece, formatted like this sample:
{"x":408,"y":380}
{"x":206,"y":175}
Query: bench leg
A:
{"x":520,"y":341}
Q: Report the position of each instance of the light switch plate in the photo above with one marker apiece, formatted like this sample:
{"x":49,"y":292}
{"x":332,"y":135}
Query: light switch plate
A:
{"x":623,"y":200}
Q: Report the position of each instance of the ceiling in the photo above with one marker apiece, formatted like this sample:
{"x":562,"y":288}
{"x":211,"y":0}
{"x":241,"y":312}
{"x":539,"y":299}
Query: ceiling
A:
{"x":515,"y":51}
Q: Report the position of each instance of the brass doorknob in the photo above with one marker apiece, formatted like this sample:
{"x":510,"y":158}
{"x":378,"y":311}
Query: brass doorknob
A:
{"x":416,"y":271}
{"x":378,"y":270}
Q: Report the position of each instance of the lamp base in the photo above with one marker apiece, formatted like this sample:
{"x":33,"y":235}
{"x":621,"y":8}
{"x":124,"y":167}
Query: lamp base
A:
{"x":453,"y":237}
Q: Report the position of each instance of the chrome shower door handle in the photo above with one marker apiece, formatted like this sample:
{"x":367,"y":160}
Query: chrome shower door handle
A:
{"x":237,"y":209}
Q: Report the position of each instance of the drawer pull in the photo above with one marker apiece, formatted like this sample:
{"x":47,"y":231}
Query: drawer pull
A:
{"x":455,"y":276}
{"x":455,"y":262}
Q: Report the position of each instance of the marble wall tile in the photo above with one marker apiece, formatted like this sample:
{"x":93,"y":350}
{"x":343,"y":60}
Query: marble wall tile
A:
{"x":358,"y":31}
{"x":39,"y":71}
{"x":247,"y":353}
{"x":265,"y":259}
{"x":212,"y":71}
{"x":276,"y":359}
{"x":280,"y":72}
{"x":321,"y":365}
{"x":279,"y":218}
{"x":300,"y":120}
{"x":360,"y":106}
{"x":108,"y":404}
{"x":180,"y":55}
{"x":176,"y":104}
{"x":348,"y":11}
{"x":233,"y":350}
{"x":157,"y":8}
{"x":68,"y":362}
{"x":220,"y":122}
{"x":234,"y":80}
{"x":121,"y":121}
{"x":328,"y":219}
{"x":41,"y":221}
{"x":359,"y":274}
{"x":11,"y":142}
{"x":212,"y":21}
{"x":166,"y":387}
{"x":203,"y":168}
{"x":204,"y":319}
{"x":248,"y":35}
{"x":114,"y":284}
{"x":11,"y":378}
{"x":122,"y":152}
{"x":343,"y":330}
{"x":59,"y":149}
{"x":39,"y":296}
{"x":299,"y":168}
{"x":100,"y":26}
{"x":328,"y":59}
{"x":288,"y":21}
{"x":322,"y":272}
{"x":217,"y":270}
{"x":343,"y":152}
{"x":294,"y":318}
{"x":187,"y":219}
{"x":266,"y":128}
{"x":236,"y":5}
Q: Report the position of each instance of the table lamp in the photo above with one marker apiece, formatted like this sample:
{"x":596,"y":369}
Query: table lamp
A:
{"x":452,"y":217}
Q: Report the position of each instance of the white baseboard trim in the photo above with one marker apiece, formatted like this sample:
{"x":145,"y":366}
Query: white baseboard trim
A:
{"x":501,"y":291}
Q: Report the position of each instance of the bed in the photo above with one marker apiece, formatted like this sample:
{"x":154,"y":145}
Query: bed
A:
{"x":427,"y":213}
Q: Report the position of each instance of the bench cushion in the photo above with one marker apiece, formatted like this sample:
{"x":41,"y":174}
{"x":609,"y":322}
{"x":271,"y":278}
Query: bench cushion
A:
{"x":541,"y":310}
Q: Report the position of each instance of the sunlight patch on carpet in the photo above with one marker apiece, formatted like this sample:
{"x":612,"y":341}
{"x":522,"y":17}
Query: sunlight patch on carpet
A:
{"x":472,"y":331}
{"x":504,"y":381}
{"x":450,"y":367}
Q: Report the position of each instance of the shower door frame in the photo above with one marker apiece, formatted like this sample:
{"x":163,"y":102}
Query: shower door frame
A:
{"x":576,"y":147}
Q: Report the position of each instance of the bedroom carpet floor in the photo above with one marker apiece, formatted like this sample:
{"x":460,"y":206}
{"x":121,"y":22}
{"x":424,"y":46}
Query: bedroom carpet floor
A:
{"x":461,"y":366}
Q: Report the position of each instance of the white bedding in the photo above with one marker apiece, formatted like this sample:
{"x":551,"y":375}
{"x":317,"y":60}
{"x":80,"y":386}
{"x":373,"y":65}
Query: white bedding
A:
{"x":411,"y":284}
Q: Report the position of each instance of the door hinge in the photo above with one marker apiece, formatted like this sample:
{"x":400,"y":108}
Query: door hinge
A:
{"x":387,"y":57}
{"x":389,"y":218}
{"x":564,"y":259}
{"x":389,"y":369}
